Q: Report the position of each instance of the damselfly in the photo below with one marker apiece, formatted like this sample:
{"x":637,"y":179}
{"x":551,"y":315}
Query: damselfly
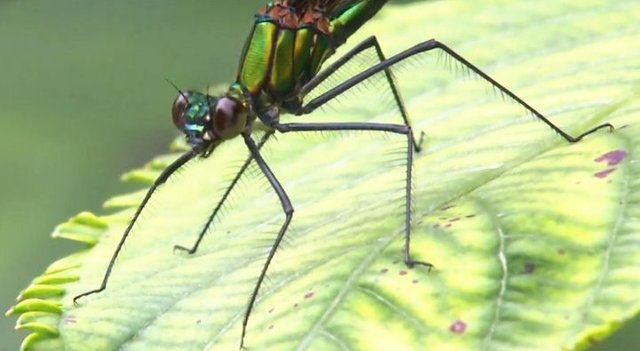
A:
{"x":279,"y":69}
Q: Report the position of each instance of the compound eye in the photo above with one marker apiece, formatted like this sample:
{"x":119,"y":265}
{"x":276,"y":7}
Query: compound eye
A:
{"x":230,"y":117}
{"x":179,"y":107}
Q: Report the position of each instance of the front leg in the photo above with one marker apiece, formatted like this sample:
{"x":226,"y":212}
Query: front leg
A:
{"x":162,"y":178}
{"x":191,"y":250}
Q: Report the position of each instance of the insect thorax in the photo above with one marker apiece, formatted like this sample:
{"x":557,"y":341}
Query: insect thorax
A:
{"x":284,"y":51}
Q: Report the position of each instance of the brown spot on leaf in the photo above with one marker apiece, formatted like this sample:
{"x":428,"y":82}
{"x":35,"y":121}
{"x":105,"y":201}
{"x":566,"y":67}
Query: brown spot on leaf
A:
{"x":529,"y":267}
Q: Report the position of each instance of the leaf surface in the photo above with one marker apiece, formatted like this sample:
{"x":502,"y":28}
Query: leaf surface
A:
{"x":535,"y":241}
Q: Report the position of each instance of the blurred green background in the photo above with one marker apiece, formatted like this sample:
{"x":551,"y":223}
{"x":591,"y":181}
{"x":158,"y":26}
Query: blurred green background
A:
{"x":83,"y":99}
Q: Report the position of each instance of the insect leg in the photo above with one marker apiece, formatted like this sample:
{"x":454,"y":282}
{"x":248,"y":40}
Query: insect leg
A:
{"x":288,"y":211}
{"x":434,"y":44}
{"x":370,"y":42}
{"x":429,"y":46}
{"x":365,"y":126}
{"x":224,"y":197}
{"x":166,"y":173}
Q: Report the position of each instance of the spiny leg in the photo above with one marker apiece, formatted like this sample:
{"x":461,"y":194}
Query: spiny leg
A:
{"x":288,"y":211}
{"x":166,"y":173}
{"x":381,"y":127}
{"x":370,"y":42}
{"x":428,"y":46}
{"x":434,"y":44}
{"x":226,"y":194}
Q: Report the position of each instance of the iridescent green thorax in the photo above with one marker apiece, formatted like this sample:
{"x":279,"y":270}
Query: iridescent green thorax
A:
{"x":279,"y":60}
{"x":291,"y":40}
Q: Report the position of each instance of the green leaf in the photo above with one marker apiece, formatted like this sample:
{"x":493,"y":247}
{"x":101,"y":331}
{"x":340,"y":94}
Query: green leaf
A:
{"x":535,"y":241}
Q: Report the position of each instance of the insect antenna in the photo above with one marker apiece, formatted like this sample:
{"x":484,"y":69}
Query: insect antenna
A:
{"x":177,"y":89}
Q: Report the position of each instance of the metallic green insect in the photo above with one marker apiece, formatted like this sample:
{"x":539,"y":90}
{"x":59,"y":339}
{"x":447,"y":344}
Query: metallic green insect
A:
{"x":282,"y":62}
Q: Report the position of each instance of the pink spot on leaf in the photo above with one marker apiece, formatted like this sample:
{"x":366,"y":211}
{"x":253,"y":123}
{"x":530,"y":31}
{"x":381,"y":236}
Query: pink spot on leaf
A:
{"x":309,"y":295}
{"x":458,"y":327}
{"x":604,"y":174}
{"x":612,"y":158}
